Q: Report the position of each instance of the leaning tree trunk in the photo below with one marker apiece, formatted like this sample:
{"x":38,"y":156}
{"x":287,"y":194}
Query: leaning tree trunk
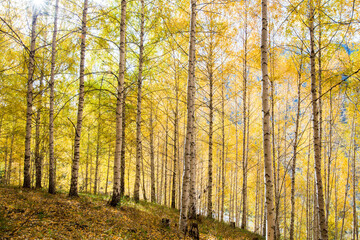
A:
{"x":119,"y":110}
{"x":189,"y":144}
{"x":52,"y":179}
{"x":29,"y":97}
{"x":317,"y":143}
{"x":139,"y":98}
{"x":76,"y":158}
{"x":270,"y":222}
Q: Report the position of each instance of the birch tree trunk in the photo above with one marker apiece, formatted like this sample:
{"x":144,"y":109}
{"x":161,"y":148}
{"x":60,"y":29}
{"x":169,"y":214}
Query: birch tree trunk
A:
{"x":223,"y":150}
{"x":75,"y":164}
{"x":317,"y":140}
{"x":176,"y":140}
{"x":6,"y":161}
{"x":236,"y":208}
{"x":355,"y":224}
{"x":192,"y":184}
{"x":119,"y":111}
{"x":244,"y":166}
{"x":52,"y":173}
{"x":152,"y":157}
{"x":38,"y":156}
{"x":29,"y":98}
{"x":295,"y":145}
{"x":98,"y":140}
{"x":138,"y":114}
{"x":11,"y":156}
{"x":123,"y":140}
{"x":244,"y":192}
{"x":270,"y":228}
{"x":189,"y":144}
{"x":211,"y":122}
{"x":108,"y":170}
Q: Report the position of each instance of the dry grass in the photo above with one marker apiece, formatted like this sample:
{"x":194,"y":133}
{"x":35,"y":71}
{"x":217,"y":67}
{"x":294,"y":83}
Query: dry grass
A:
{"x":34,"y":214}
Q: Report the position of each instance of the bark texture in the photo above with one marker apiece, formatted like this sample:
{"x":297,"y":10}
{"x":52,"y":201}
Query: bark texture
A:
{"x":119,"y":110}
{"x":316,"y":132}
{"x":29,"y":98}
{"x":269,"y":187}
{"x":75,"y":164}
{"x":189,"y":141}
{"x":138,"y":114}
{"x":52,"y":173}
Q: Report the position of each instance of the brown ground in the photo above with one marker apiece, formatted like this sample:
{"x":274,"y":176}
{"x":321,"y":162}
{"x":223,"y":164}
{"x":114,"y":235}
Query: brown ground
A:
{"x":33,"y":214}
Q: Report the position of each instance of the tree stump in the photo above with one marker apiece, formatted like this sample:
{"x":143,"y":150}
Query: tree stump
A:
{"x":194,"y":231}
{"x":165,"y":222}
{"x":232,"y":224}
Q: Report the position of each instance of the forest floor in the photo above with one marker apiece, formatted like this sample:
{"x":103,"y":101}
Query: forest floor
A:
{"x":35,"y":214}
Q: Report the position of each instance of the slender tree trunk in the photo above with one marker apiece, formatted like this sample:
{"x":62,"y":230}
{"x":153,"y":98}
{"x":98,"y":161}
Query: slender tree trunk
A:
{"x":347,"y":188}
{"x":211,"y":122}
{"x":143,"y":181}
{"x":236,"y":163}
{"x":29,"y":97}
{"x":244,"y":192}
{"x":6,"y":160}
{"x":119,"y":112}
{"x":123,"y":145}
{"x":108,"y":170}
{"x":38,"y":157}
{"x":257,"y":189}
{"x":152,"y":157}
{"x":189,"y":143}
{"x":295,"y":145}
{"x":166,"y":154}
{"x":52,"y":173}
{"x":336,"y":202}
{"x":139,"y":97}
{"x":192,"y":184}
{"x":11,"y":157}
{"x":75,"y":164}
{"x":317,"y":140}
{"x":343,"y":212}
{"x":163,"y":179}
{"x":329,"y":158}
{"x":223,"y":150}
{"x":275,"y":160}
{"x":355,"y":224}
{"x":176,"y":140}
{"x":98,"y":140}
{"x":270,"y":229}
{"x":87,"y":162}
{"x":308,"y":201}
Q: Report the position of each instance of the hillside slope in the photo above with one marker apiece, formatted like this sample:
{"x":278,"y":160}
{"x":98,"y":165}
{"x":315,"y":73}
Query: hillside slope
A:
{"x":35,"y":214}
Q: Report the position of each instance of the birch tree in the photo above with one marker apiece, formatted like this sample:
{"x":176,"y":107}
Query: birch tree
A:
{"x":270,"y":222}
{"x":119,"y":111}
{"x":76,"y":158}
{"x":52,"y":174}
{"x":189,"y":142}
